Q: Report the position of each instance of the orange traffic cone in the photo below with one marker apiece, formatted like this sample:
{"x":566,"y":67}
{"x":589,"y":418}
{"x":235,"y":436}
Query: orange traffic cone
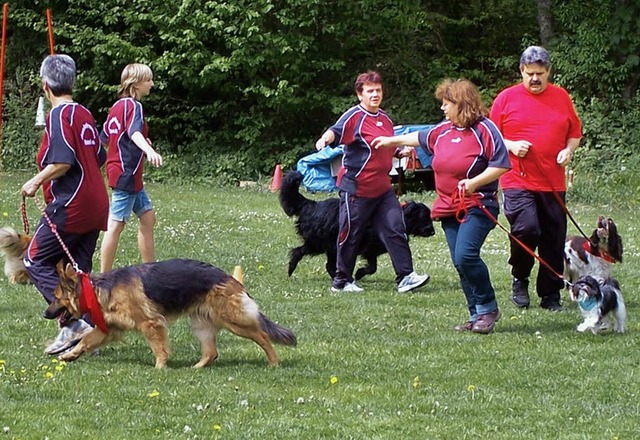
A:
{"x":277,"y":179}
{"x":237,"y":273}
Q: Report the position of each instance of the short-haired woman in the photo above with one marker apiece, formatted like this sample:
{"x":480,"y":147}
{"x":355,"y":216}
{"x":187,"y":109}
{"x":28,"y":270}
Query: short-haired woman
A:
{"x":69,"y":161}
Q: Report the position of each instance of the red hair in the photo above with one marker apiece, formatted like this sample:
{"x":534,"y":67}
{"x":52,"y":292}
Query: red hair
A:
{"x":371,"y":77}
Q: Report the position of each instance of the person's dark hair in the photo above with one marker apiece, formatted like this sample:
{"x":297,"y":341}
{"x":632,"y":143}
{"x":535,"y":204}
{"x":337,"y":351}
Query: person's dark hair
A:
{"x":535,"y":55}
{"x":464,"y":94}
{"x":59,"y":73}
{"x":367,"y":77}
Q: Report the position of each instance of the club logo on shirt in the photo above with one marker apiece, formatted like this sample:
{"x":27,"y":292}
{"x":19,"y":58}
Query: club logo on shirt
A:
{"x":114,"y":126}
{"x":88,"y":135}
{"x":456,"y":140}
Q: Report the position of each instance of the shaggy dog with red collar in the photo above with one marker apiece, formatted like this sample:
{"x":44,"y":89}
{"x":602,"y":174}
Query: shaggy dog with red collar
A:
{"x":148,"y":296}
{"x":593,"y":257}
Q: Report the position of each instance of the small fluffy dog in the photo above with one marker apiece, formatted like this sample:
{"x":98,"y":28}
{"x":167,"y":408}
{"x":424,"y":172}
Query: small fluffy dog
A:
{"x":596,"y":300}
{"x":13,"y":247}
{"x":593,"y":257}
{"x":148,"y":296}
{"x":317,"y":224}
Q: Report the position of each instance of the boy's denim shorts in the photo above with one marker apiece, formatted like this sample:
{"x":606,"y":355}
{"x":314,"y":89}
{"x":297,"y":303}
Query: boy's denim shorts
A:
{"x":123,"y":203}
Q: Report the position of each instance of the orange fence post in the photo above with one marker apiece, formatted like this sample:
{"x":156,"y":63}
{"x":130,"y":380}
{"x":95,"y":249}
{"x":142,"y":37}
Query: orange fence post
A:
{"x":5,"y":10}
{"x":50,"y":29}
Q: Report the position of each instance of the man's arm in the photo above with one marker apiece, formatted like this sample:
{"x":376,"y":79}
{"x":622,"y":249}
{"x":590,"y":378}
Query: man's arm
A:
{"x":48,"y":173}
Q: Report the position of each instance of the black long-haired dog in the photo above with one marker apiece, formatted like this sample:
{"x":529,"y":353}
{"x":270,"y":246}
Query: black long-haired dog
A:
{"x":317,"y":225}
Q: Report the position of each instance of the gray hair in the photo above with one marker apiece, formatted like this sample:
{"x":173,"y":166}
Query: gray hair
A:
{"x":59,"y":73}
{"x":535,"y":55}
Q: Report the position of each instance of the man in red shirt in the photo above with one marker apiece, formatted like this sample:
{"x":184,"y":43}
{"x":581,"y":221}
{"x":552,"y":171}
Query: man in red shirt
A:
{"x":541,"y":131}
{"x":366,"y":195}
{"x":69,"y":161}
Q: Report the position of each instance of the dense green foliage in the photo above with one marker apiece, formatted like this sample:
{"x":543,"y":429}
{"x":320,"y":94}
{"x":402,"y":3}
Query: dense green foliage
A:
{"x":371,"y":366}
{"x":243,"y":85}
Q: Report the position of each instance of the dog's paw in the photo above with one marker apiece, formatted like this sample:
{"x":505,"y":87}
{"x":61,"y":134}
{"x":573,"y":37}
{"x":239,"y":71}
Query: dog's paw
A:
{"x":69,"y":356}
{"x":582,"y":327}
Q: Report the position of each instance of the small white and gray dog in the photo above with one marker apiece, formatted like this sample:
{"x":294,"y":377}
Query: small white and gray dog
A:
{"x":596,"y":301}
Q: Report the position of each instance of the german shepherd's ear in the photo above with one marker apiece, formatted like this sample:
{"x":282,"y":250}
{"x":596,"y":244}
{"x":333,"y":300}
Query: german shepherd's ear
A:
{"x":67,"y":273}
{"x":60,"y":268}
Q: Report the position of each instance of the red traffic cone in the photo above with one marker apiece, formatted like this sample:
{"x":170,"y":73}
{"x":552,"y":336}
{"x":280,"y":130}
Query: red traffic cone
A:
{"x":277,"y":179}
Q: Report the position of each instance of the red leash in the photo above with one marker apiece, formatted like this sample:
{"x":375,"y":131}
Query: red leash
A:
{"x":562,"y":204}
{"x":25,"y":219}
{"x":461,"y":215}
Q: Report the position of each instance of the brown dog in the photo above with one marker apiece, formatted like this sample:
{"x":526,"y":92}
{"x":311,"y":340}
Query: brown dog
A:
{"x":148,"y":296}
{"x":13,"y":247}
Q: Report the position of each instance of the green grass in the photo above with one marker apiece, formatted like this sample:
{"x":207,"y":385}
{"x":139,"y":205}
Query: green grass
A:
{"x":374,"y":366}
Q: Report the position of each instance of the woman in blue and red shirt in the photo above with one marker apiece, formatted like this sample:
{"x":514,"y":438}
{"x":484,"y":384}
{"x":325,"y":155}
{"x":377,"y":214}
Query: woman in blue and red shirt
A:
{"x":469,"y":156}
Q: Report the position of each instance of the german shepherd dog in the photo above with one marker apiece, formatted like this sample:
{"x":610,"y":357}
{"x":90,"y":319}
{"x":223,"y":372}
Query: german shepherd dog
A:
{"x":148,"y":296}
{"x":13,"y":247}
{"x":317,"y":225}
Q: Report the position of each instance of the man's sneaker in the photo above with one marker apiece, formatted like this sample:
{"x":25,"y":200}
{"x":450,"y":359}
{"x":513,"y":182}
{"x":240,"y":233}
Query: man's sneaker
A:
{"x":349,"y":287}
{"x":551,"y":303}
{"x":486,"y":322}
{"x":68,"y":337}
{"x":412,"y":281}
{"x":520,"y":293}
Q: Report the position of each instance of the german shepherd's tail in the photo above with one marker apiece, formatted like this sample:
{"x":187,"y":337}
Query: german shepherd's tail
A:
{"x":278,"y":334}
{"x":290,"y":198}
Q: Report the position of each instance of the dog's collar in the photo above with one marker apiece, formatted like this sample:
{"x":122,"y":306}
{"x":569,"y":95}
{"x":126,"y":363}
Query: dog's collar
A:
{"x":593,"y":250}
{"x":89,"y":303}
{"x":588,"y":303}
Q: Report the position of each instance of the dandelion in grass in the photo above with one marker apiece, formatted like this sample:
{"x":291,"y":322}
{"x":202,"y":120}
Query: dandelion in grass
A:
{"x":154,"y":394}
{"x":334,"y":380}
{"x":48,"y":375}
{"x":217,"y":427}
{"x":472,"y":390}
{"x":416,"y":381}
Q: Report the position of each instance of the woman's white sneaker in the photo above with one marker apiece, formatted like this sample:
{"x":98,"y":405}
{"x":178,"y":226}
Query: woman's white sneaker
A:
{"x":349,"y":287}
{"x":412,"y":281}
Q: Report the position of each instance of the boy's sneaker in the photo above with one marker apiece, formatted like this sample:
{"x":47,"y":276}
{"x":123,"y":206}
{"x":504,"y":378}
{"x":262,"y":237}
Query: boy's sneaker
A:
{"x":412,"y":281}
{"x":68,"y":337}
{"x":348,"y":287}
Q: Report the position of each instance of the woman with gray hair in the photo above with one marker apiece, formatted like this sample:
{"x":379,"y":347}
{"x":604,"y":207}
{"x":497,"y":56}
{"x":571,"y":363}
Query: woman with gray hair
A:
{"x":69,"y":161}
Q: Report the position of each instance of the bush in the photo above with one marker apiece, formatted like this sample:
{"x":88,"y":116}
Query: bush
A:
{"x":20,"y":139}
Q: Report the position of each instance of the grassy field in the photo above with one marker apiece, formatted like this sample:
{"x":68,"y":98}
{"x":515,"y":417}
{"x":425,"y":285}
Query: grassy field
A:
{"x":377,"y":365}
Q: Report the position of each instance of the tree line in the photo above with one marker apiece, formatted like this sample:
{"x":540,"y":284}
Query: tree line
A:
{"x":244,"y":84}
